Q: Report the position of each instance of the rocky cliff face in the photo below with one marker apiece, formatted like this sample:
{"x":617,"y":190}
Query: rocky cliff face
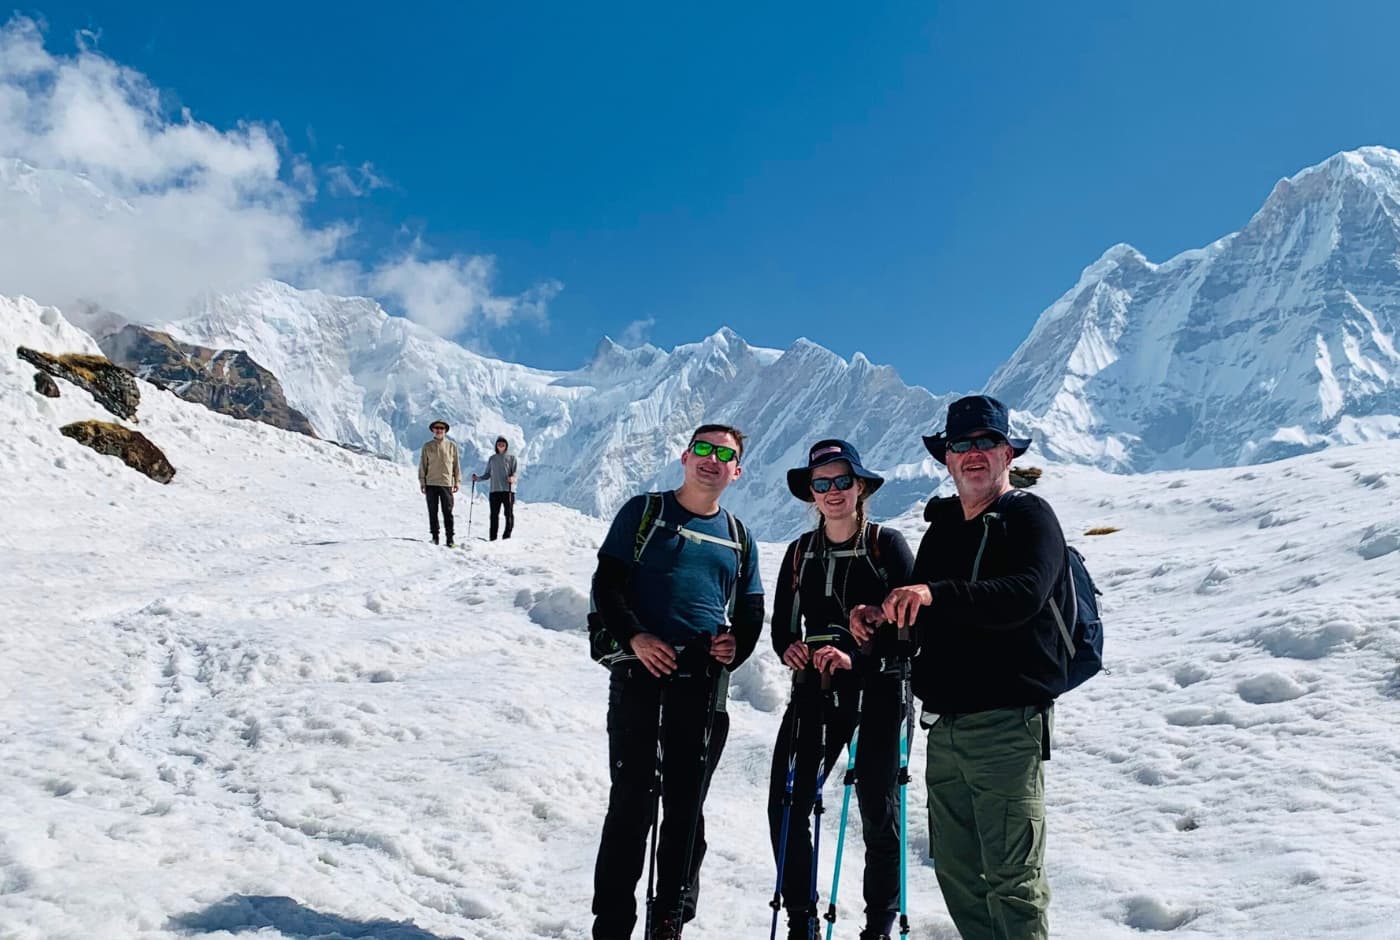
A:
{"x":228,"y":381}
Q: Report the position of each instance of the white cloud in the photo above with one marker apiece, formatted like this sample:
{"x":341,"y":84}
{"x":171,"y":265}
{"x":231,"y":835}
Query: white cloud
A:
{"x":636,"y":333}
{"x":453,"y":295}
{"x":108,"y":196}
{"x":354,"y":181}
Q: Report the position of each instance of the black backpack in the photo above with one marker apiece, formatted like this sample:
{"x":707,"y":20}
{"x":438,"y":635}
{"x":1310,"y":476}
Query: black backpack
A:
{"x":1076,"y":613}
{"x":602,"y":647}
{"x":1075,"y":607}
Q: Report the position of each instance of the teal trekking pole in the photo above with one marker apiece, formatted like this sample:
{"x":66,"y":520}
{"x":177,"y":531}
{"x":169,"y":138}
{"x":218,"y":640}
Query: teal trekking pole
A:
{"x":845,"y":812}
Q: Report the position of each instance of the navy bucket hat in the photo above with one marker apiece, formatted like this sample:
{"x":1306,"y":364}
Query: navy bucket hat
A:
{"x":970,"y":415}
{"x":799,"y":479}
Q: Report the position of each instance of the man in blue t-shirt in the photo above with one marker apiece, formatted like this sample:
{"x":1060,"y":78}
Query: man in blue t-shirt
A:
{"x":668,"y":578}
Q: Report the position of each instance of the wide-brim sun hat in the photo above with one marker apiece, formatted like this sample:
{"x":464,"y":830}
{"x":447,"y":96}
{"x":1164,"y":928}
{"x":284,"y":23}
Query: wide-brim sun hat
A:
{"x":799,"y":479}
{"x":972,"y":415}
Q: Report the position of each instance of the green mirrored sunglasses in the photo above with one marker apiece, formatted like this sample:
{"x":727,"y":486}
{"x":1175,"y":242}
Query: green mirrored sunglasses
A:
{"x":705,"y":448}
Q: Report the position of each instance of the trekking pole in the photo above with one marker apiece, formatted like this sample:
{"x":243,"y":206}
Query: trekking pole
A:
{"x":905,"y":744}
{"x":470,"y":506}
{"x":845,"y":812}
{"x":817,"y":808}
{"x":793,"y":732}
{"x":714,"y":671}
{"x":655,"y":798}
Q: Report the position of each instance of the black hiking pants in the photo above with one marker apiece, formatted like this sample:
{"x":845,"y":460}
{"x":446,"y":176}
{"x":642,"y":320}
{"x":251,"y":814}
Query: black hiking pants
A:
{"x":876,"y":786}
{"x":440,"y":496}
{"x":633,"y":698}
{"x":502,"y":499}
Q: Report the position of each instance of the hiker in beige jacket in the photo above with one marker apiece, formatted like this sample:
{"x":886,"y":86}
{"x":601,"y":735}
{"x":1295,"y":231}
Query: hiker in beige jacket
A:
{"x":439,"y":476}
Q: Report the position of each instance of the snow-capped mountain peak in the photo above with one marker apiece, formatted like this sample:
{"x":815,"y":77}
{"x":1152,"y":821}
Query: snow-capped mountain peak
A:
{"x":1276,"y":338}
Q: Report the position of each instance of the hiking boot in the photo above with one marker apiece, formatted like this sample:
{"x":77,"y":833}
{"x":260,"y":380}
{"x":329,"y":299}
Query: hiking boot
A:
{"x":435,"y":538}
{"x":872,"y":935}
{"x":668,"y":929}
{"x":451,"y":544}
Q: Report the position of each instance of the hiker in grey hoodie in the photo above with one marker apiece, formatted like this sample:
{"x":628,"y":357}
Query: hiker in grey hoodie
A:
{"x":501,"y":469}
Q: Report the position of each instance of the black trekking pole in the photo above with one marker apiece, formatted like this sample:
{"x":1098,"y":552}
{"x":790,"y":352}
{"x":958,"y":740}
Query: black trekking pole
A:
{"x":794,"y":732}
{"x":714,"y":672}
{"x":906,"y":744}
{"x":817,"y":808}
{"x":655,"y":804}
{"x":849,"y":780}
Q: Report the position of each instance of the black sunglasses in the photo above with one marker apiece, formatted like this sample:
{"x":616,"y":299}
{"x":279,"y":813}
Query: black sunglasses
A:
{"x":822,"y":484}
{"x":964,"y":444}
{"x":705,"y":448}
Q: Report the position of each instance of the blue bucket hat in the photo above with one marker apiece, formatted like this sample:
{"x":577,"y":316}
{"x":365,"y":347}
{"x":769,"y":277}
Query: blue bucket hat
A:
{"x":970,"y":415}
{"x":799,"y":479}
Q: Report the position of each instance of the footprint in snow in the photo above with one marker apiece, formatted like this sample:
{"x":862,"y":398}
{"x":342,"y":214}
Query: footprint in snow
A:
{"x":1141,"y":912}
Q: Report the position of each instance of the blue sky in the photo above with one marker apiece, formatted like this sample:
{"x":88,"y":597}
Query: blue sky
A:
{"x":916,"y":181}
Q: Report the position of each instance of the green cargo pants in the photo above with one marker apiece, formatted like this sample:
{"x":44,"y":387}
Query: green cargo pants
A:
{"x":986,"y":805}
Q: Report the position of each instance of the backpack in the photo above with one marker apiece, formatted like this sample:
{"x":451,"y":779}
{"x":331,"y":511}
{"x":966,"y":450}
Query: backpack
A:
{"x":805,"y":554}
{"x":602,"y":647}
{"x":1076,"y":613}
{"x":1075,"y":607}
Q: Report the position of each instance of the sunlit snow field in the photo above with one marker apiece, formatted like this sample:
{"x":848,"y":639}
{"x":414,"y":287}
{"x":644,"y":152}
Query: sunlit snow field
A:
{"x":256,"y":700}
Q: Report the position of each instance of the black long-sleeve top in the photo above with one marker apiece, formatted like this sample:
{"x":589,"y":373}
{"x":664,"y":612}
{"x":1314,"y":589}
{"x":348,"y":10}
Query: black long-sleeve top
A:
{"x":988,"y":640}
{"x":810,"y":611}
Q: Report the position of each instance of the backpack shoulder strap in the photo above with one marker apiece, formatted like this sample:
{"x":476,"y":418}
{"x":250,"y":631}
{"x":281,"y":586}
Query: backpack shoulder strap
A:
{"x":872,"y":555}
{"x":800,"y":553}
{"x":651,"y":518}
{"x":740,"y":535}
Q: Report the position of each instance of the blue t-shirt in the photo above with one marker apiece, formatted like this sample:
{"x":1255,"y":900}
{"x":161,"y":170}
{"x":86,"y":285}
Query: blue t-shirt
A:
{"x":681,"y":587}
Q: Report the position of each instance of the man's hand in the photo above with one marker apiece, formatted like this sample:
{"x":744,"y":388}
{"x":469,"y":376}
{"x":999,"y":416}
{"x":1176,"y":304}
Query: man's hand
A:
{"x":655,"y":653}
{"x":797,"y":655}
{"x":475,"y":478}
{"x":723,"y":648}
{"x":422,"y":488}
{"x":510,"y":480}
{"x":903,"y":603}
{"x":456,"y":487}
{"x":828,"y":659}
{"x":864,"y":619}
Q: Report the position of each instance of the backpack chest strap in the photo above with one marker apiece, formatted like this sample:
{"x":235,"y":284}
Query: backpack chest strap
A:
{"x":694,"y":536}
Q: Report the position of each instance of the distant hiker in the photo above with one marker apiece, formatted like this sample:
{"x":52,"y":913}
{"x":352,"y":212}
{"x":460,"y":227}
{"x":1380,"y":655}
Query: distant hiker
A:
{"x":989,"y":667}
{"x":501,"y":470}
{"x":673,"y":569}
{"x":844,"y":562}
{"x":439,"y":476}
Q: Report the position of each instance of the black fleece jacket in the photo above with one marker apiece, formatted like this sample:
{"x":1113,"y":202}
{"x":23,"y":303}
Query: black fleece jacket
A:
{"x":989,"y":640}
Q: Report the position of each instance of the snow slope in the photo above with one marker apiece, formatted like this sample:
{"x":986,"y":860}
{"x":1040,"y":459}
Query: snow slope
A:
{"x":251,"y":701}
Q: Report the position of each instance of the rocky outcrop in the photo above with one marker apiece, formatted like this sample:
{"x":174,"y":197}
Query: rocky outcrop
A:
{"x":1022,"y":477}
{"x":45,"y":385}
{"x":133,"y":447}
{"x":224,"y":380}
{"x":114,"y":387}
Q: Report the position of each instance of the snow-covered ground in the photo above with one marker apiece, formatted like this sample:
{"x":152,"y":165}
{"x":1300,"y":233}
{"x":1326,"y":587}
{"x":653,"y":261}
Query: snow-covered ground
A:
{"x":254,"y":700}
